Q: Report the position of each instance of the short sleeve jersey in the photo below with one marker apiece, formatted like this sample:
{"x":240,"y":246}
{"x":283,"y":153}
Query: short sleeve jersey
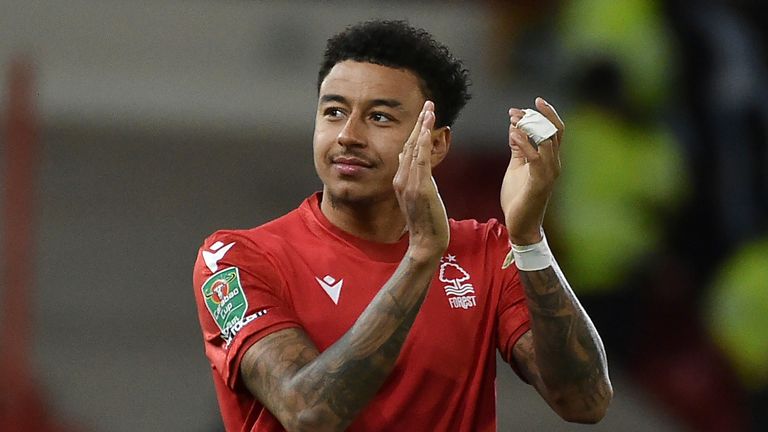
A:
{"x":302,"y":271}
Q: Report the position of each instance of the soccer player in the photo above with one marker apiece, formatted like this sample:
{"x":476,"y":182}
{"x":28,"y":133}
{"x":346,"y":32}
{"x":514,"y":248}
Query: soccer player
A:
{"x":366,"y":308}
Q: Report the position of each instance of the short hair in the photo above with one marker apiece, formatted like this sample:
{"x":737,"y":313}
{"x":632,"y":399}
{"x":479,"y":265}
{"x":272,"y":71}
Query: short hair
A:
{"x":395,"y":44}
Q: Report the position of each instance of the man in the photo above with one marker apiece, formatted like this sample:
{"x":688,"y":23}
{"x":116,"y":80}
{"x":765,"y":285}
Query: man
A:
{"x":366,"y":309}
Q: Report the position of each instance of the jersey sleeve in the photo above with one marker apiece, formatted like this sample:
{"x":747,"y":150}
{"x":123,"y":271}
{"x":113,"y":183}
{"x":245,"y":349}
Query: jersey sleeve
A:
{"x":240,"y":296}
{"x":512,"y":311}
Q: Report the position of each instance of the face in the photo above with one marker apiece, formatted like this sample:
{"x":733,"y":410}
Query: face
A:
{"x":365,"y":113}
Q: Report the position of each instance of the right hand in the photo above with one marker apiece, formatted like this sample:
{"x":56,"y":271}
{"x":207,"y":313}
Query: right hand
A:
{"x":530,"y":177}
{"x":417,"y":194}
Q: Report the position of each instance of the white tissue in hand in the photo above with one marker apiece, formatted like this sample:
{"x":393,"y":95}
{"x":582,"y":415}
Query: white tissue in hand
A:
{"x":536,"y":126}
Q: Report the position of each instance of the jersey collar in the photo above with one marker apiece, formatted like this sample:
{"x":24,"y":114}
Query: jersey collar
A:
{"x":384,"y":252}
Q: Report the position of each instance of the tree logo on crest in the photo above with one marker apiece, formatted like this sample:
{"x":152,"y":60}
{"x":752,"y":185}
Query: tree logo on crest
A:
{"x":460,"y":294}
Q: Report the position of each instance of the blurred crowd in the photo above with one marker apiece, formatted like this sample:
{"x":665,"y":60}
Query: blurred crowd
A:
{"x":661,"y":216}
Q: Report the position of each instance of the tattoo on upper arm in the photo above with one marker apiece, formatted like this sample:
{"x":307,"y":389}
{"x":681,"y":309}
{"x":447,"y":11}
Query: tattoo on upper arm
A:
{"x":568,"y":348}
{"x":268,"y":363}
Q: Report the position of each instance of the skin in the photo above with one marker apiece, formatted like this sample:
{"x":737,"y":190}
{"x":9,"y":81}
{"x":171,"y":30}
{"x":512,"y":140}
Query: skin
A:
{"x":354,"y":119}
{"x":562,"y":355}
{"x":374,"y":149}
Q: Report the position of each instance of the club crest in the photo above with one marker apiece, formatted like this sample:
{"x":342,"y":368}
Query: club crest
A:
{"x":461,"y":295}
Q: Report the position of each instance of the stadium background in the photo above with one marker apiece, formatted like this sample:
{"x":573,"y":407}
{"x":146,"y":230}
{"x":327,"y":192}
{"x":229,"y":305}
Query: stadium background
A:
{"x":157,"y":122}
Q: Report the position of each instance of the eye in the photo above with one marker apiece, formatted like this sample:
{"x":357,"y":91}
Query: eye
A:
{"x":333,"y":113}
{"x":380,"y":117}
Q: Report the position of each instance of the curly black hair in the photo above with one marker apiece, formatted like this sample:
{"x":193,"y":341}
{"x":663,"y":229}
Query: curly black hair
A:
{"x":397,"y":45}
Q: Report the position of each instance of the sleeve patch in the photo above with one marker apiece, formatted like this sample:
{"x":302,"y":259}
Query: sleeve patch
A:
{"x":227,"y":303}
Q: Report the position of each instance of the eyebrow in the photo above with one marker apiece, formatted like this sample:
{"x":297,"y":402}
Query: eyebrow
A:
{"x":391,"y":103}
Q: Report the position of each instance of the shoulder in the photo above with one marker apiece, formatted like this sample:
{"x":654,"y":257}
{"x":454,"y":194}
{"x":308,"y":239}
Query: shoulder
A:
{"x":257,"y":239}
{"x":255,"y":250}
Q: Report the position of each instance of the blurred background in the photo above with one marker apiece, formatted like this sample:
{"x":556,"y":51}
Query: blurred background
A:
{"x":133,"y":129}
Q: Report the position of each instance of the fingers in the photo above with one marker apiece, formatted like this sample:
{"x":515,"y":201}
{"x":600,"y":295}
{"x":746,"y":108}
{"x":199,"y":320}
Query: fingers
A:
{"x":406,"y":154}
{"x":549,"y":112}
{"x":550,"y":149}
{"x":410,"y":148}
{"x":515,"y":114}
{"x":518,"y":140}
{"x":549,"y":157}
{"x":423,"y":148}
{"x":417,"y":127}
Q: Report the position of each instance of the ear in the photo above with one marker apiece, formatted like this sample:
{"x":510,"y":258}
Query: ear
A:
{"x":441,"y":142}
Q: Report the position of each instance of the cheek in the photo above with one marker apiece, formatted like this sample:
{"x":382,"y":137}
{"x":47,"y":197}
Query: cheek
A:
{"x":322,"y":141}
{"x":392,"y":155}
{"x":396,"y":144}
{"x":319,"y":152}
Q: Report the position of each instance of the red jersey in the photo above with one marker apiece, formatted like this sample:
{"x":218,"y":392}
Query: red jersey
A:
{"x":302,"y":271}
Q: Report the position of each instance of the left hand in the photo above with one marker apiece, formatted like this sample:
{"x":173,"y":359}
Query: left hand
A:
{"x":530,"y":177}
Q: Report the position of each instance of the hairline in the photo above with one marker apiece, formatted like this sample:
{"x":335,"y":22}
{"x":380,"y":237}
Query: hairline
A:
{"x":420,"y":81}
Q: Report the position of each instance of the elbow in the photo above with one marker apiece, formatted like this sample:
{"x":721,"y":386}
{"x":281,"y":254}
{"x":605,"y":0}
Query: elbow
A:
{"x":313,"y":420}
{"x":589,"y":409}
{"x":585,"y":416}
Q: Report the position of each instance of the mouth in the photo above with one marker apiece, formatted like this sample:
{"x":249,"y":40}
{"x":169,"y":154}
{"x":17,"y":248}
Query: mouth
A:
{"x":352,"y":161}
{"x":350,"y":165}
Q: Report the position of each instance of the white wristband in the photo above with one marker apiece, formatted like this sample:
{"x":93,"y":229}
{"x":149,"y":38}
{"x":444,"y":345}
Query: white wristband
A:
{"x":536,"y":126}
{"x":533,"y":257}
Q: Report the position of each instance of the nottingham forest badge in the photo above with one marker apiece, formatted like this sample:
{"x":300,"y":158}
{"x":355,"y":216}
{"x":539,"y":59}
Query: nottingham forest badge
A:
{"x":225,"y":299}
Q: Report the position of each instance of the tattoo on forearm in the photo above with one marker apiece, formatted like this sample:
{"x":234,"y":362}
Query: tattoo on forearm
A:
{"x":338,"y":383}
{"x":567,"y":348}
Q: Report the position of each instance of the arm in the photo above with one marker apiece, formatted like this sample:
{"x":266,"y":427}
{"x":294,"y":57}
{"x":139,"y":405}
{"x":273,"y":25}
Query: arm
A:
{"x":566,"y":362}
{"x":311,"y":391}
{"x":562,"y":355}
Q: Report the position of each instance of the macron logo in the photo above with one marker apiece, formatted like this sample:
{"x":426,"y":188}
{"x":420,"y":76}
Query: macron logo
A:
{"x":331,"y":287}
{"x":212,"y":258}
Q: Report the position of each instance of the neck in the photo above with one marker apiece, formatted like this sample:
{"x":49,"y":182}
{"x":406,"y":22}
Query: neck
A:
{"x":379,"y":221}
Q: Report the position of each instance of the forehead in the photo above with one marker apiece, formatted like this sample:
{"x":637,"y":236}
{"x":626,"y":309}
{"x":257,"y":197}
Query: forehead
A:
{"x":365,"y":81}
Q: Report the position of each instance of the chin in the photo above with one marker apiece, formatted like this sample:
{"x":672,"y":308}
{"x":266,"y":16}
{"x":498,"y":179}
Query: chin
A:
{"x":354,"y":195}
{"x":347,"y":196}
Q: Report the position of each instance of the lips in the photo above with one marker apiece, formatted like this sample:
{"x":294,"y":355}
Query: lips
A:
{"x":351,"y":160}
{"x":350,"y":166}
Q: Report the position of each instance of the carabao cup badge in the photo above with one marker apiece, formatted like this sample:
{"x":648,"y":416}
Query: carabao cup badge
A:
{"x":225,"y":299}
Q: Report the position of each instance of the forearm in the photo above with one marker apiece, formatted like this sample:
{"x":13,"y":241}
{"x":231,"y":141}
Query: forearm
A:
{"x":328,"y":391}
{"x":569,"y":353}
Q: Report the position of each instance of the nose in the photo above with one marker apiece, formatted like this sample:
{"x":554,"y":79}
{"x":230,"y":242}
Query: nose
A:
{"x":351,"y":134}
